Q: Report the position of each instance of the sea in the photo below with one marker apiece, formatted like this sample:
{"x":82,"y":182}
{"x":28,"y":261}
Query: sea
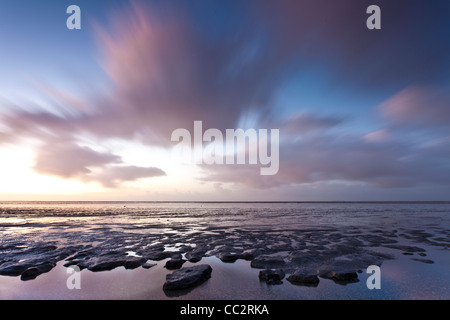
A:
{"x":412,"y":237}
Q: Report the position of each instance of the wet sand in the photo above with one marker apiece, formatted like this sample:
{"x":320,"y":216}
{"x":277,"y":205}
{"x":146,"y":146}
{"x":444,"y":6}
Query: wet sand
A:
{"x":123,"y":251}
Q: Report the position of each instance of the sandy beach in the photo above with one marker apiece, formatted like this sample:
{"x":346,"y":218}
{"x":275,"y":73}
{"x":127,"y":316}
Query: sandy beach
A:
{"x":313,"y":250}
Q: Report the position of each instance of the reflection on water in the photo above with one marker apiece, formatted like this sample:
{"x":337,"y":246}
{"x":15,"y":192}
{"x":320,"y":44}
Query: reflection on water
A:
{"x":235,"y":281}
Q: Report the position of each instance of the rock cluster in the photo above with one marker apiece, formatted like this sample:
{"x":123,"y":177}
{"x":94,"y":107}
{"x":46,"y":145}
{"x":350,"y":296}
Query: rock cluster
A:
{"x":336,"y":253}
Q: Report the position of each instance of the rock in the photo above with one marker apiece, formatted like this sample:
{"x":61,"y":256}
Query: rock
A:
{"x":148,"y":265}
{"x":63,"y":253}
{"x":341,"y":249}
{"x":271,"y":276}
{"x":263,"y":262}
{"x":174,"y":263}
{"x":33,"y":272}
{"x":37,"y":250}
{"x":300,"y":258}
{"x":407,"y":253}
{"x":422,"y":254}
{"x":13,"y":269}
{"x":423,"y":260}
{"x":340,"y":276}
{"x":192,"y":257}
{"x":228,"y":257}
{"x":156,"y":255}
{"x":405,"y":248}
{"x":131,"y":263}
{"x":354,"y":262}
{"x":105,"y":263}
{"x":301,"y":277}
{"x":249,"y":254}
{"x":187,"y":277}
{"x":196,"y":255}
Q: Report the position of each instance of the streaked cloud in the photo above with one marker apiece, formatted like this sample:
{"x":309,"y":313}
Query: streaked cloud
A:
{"x":422,"y":106}
{"x":66,"y":159}
{"x":165,"y":71}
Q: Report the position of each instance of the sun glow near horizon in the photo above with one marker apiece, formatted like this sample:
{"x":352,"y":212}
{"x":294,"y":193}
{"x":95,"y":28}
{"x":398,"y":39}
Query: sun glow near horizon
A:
{"x":21,"y":182}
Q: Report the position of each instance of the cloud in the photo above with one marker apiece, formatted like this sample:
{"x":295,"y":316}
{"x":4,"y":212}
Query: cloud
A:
{"x":302,"y":123}
{"x":383,"y":158}
{"x":69,"y":160}
{"x":326,"y":158}
{"x":333,"y":34}
{"x":418,"y":106}
{"x":66,"y":159}
{"x":166,"y":72}
{"x":112,"y":176}
{"x":378,"y":136}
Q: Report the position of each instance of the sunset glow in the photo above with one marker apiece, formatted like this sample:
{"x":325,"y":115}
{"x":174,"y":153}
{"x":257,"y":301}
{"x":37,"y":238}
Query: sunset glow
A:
{"x":88,"y":113}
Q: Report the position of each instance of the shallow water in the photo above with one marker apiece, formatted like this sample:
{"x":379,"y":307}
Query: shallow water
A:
{"x":237,"y":226}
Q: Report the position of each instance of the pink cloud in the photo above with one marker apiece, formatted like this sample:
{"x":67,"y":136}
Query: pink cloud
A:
{"x":66,"y":159}
{"x":418,"y":106}
{"x":379,"y":136}
{"x":166,"y":74}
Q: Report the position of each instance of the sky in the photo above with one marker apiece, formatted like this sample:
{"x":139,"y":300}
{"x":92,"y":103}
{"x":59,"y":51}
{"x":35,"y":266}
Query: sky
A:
{"x":88,"y":114}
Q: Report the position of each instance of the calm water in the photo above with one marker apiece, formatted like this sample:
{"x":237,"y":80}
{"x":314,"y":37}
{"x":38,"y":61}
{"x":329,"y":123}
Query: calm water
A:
{"x":190,"y":224}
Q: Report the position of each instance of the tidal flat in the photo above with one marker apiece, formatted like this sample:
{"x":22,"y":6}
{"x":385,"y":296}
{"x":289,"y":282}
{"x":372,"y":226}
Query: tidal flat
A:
{"x":146,"y":250}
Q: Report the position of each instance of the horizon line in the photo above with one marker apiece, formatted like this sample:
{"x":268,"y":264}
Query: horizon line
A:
{"x":224,"y":201}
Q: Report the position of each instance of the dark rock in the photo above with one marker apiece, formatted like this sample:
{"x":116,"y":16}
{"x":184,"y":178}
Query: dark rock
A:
{"x":228,"y":257}
{"x":174,"y":263}
{"x":407,"y":253}
{"x":156,"y":255}
{"x":341,"y":249}
{"x":300,"y":257}
{"x":263,"y":262}
{"x":358,"y":261}
{"x":134,"y":262}
{"x":105,"y":263}
{"x":63,"y":253}
{"x":271,"y":276}
{"x":422,"y":254}
{"x":32,"y":272}
{"x":339,"y":276}
{"x":196,"y":255}
{"x":36,"y":249}
{"x":301,"y":277}
{"x":353,"y":242}
{"x":187,"y":277}
{"x":249,"y":255}
{"x":14,"y":269}
{"x":423,"y":260}
{"x":405,"y":248}
{"x":192,"y":257}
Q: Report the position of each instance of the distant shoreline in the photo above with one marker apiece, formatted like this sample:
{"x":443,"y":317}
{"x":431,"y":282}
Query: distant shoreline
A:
{"x":212,"y":202}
